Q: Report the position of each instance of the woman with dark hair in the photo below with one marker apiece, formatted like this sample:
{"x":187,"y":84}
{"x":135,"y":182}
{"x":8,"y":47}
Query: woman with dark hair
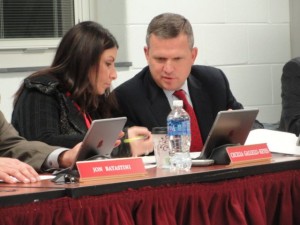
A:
{"x":56,"y":105}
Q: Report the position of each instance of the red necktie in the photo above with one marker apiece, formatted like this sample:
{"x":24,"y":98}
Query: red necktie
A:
{"x":196,"y":139}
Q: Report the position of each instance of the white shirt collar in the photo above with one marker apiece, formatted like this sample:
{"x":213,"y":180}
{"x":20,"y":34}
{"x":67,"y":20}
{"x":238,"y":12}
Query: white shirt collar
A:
{"x":171,"y":97}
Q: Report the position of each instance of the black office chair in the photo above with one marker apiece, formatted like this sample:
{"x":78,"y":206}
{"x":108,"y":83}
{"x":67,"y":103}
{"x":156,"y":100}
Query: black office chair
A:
{"x":290,"y":95}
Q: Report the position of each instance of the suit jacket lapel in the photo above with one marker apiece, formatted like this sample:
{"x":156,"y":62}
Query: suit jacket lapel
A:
{"x":75,"y":117}
{"x":202,"y":106}
{"x":159,"y":105}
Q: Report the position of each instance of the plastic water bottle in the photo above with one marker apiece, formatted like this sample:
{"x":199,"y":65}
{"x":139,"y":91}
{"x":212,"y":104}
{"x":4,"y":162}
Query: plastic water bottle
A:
{"x":179,"y":132}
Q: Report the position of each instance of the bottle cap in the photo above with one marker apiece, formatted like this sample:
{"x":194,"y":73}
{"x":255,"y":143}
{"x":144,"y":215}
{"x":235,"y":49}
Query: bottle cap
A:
{"x":178,"y":103}
{"x":159,"y":130}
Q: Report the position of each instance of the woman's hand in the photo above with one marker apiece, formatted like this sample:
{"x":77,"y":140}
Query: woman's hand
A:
{"x":118,"y":142}
{"x":140,"y":146}
{"x":66,"y":158}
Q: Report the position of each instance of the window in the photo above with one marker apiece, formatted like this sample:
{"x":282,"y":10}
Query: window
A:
{"x":30,"y":30}
{"x":26,"y":24}
{"x":35,"y":18}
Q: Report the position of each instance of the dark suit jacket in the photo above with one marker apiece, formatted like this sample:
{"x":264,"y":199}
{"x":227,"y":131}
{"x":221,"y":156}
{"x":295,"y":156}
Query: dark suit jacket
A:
{"x":12,"y":145}
{"x":290,"y":94}
{"x":44,"y":113}
{"x":145,"y":104}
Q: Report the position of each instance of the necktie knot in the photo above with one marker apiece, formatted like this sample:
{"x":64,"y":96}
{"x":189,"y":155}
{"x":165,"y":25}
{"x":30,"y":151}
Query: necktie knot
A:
{"x":180,"y":94}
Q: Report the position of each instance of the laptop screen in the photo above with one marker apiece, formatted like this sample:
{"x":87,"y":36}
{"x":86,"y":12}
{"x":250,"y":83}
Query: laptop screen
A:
{"x":100,"y":139}
{"x":229,"y":127}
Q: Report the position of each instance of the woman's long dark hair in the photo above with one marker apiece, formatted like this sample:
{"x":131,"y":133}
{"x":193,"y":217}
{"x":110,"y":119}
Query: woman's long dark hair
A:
{"x":78,"y":52}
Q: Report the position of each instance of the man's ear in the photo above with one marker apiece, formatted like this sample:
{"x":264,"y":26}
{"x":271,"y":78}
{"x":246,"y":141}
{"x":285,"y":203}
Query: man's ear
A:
{"x":146,"y":51}
{"x":194,"y":53}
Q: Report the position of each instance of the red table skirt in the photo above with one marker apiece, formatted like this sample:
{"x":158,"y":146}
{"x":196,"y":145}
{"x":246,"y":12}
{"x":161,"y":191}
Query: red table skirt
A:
{"x":258,"y":200}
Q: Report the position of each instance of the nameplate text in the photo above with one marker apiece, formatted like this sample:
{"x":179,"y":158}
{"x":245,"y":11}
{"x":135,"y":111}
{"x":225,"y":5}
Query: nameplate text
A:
{"x":110,"y":168}
{"x":248,"y":153}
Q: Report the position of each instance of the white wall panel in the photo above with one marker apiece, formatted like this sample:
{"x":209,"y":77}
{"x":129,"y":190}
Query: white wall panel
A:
{"x":269,"y":44}
{"x":245,"y":11}
{"x":248,"y":39}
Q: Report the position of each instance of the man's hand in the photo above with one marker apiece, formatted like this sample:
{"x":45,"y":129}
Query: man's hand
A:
{"x":13,"y":170}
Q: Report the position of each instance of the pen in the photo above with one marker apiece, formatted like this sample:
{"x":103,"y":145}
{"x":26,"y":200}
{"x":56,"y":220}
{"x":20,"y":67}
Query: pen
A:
{"x":141,"y":137}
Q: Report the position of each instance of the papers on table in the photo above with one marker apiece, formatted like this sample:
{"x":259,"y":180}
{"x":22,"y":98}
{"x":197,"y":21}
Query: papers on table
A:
{"x":277,"y":141}
{"x":42,"y":177}
{"x":149,"y":161}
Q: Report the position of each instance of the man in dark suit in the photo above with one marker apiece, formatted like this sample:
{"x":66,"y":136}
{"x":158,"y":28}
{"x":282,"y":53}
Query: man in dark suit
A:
{"x":290,"y":94}
{"x":35,"y":155}
{"x":146,"y":99}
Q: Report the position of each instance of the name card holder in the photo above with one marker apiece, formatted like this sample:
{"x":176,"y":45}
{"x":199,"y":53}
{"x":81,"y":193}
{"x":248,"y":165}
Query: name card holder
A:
{"x":248,"y":153}
{"x":111,"y":168}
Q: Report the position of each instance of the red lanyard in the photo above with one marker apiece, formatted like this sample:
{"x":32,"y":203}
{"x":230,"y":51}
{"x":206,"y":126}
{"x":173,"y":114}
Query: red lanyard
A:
{"x":87,"y":118}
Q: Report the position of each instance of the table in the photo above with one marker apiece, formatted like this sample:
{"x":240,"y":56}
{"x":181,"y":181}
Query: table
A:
{"x":259,"y":193}
{"x":20,"y":195}
{"x":158,"y":177}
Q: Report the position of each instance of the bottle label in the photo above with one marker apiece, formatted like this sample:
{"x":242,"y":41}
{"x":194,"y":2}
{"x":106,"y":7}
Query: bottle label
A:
{"x":178,"y":127}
